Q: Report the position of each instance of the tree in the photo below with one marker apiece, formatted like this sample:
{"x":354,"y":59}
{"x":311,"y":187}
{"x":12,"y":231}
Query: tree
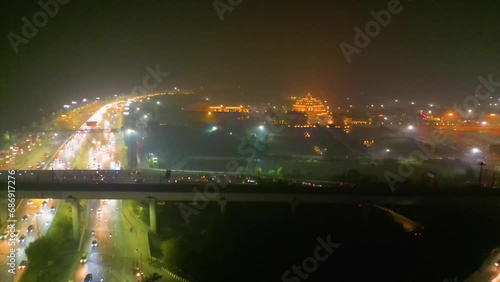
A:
{"x":280,"y":172}
{"x":258,"y":171}
{"x":153,"y":277}
{"x":170,"y":250}
{"x":6,"y":136}
{"x":41,"y":251}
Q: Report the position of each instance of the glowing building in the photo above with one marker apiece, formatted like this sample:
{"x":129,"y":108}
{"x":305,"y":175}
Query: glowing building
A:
{"x":309,"y":105}
{"x":314,"y":109}
{"x":229,"y":109}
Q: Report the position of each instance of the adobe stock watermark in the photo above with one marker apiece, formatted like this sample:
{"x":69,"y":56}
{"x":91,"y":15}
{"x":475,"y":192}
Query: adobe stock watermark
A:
{"x":11,"y":222}
{"x":211,"y":191}
{"x":310,"y":264}
{"x":416,"y":158}
{"x":372,"y":29}
{"x":428,"y":146}
{"x":40,"y":19}
{"x":156,"y":74}
{"x":221,"y":7}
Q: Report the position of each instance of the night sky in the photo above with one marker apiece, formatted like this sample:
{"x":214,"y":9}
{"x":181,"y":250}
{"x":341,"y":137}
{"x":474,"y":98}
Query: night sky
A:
{"x":430,"y":50}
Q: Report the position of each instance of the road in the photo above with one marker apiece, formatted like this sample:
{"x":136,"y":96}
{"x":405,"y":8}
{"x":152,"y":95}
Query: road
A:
{"x":47,"y":150}
{"x":32,"y":146}
{"x":40,"y":228}
{"x":115,"y":257}
{"x":489,"y":271}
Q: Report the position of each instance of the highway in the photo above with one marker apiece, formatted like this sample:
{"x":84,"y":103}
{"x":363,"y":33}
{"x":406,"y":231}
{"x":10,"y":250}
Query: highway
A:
{"x":46,"y":149}
{"x":40,"y":223}
{"x":34,"y":151}
{"x":119,"y":251}
{"x":40,"y":145}
{"x":92,"y":150}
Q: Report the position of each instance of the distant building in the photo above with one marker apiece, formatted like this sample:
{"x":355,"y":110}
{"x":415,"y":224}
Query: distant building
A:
{"x":357,"y":121}
{"x":229,"y":109}
{"x":309,"y":105}
{"x":216,"y":114}
{"x":314,"y":109}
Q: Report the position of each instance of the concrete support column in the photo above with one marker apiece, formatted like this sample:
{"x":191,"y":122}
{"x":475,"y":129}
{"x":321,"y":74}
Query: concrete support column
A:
{"x":294,"y":204}
{"x":3,"y":211}
{"x":75,"y":211}
{"x":152,"y":214}
{"x":222,"y":203}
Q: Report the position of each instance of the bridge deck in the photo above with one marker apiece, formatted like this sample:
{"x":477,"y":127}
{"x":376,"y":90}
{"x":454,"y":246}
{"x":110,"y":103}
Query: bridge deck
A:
{"x":245,"y":193}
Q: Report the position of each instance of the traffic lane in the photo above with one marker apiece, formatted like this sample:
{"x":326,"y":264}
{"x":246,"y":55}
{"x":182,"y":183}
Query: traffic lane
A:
{"x":132,"y":243}
{"x":20,"y":247}
{"x":37,"y":155}
{"x":127,"y":244}
{"x":99,"y":256}
{"x":4,"y":243}
{"x":119,"y":266}
{"x":134,"y":248}
{"x":123,"y":256}
{"x":30,"y":158}
{"x":106,"y":229}
{"x":40,"y":224}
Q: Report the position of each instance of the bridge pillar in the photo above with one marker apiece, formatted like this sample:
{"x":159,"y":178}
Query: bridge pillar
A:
{"x":222,"y":203}
{"x":294,"y":204}
{"x":152,"y":214}
{"x":75,"y":211}
{"x":3,"y":211}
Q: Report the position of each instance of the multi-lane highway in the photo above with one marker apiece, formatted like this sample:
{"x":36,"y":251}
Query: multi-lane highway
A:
{"x":36,"y":151}
{"x":115,"y":246}
{"x":31,"y":150}
{"x":81,"y":149}
{"x":37,"y":219}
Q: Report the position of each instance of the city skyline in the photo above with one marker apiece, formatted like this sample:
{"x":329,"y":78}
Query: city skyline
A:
{"x":256,"y":51}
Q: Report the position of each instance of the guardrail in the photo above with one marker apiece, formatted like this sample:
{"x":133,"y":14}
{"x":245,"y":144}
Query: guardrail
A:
{"x":170,"y":273}
{"x":401,"y":216}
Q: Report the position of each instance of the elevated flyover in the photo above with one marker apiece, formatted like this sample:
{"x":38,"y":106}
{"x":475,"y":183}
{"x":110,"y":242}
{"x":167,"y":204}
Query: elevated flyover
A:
{"x":197,"y":195}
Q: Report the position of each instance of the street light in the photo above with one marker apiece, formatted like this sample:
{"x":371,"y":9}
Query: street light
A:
{"x":481,"y":164}
{"x":140,"y":256}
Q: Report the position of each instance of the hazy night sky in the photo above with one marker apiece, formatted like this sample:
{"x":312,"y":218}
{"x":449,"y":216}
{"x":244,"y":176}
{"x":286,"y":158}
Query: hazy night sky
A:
{"x":431,"y":50}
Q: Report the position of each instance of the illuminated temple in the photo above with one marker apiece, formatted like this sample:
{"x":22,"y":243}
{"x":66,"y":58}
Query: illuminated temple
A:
{"x":309,"y":105}
{"x":314,"y":109}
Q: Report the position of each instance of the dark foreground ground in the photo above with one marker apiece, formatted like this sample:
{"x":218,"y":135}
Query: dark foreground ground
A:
{"x":261,"y":242}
